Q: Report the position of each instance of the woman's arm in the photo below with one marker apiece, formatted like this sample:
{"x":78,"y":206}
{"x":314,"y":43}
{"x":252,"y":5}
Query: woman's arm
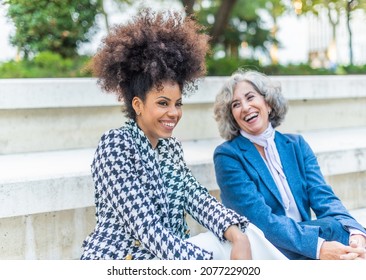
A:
{"x":323,"y":200}
{"x":204,"y":207}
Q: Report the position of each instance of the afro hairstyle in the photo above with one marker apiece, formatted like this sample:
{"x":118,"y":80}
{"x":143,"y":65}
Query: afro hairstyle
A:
{"x":153,"y":48}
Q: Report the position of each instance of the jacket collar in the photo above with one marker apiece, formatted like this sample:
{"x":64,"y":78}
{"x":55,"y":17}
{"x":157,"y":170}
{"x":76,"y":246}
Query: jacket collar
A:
{"x":254,"y":158}
{"x":288,"y":159}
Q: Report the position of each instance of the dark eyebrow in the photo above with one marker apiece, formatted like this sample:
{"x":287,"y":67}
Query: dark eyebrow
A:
{"x":164,"y":97}
{"x":167,"y":99}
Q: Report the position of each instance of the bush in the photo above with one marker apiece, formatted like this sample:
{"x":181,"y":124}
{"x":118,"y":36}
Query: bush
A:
{"x":52,"y":65}
{"x":226,"y":66}
{"x":46,"y":65}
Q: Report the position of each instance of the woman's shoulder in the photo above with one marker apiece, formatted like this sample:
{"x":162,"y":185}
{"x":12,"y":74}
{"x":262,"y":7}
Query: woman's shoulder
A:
{"x":297,"y":140}
{"x":292,"y":137}
{"x":116,"y":135}
{"x":230,"y":145}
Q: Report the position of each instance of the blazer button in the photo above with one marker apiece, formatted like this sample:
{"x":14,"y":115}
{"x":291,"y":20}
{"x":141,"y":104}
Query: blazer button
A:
{"x":137,"y":243}
{"x":128,"y":257}
{"x":187,"y":231}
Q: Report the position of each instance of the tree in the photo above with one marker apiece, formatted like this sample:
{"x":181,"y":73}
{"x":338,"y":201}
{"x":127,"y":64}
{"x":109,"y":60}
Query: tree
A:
{"x":188,"y":5}
{"x":275,"y":9}
{"x":334,"y":10}
{"x":58,"y":26}
{"x":351,"y":6}
{"x":231,"y":23}
{"x":120,"y":5}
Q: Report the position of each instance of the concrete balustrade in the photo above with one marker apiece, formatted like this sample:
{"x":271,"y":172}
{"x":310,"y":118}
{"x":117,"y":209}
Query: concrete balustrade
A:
{"x":50,"y":128}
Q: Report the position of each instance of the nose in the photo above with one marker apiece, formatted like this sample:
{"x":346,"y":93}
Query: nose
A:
{"x":173,"y":112}
{"x":246,"y":106}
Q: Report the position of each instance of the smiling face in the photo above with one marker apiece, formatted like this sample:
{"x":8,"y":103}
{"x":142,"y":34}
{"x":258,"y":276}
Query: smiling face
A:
{"x":160,"y":113}
{"x":249,"y":109}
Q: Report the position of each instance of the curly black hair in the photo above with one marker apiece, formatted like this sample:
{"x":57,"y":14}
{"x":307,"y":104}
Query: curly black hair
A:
{"x":152,"y":48}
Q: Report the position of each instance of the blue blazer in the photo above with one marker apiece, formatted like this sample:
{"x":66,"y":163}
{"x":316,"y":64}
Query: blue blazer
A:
{"x":247,"y":187}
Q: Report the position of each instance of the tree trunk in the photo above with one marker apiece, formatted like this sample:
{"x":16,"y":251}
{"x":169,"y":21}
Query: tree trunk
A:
{"x":221,"y":20}
{"x":332,"y":48}
{"x":350,"y":45}
{"x":188,"y":6}
{"x":105,"y":15}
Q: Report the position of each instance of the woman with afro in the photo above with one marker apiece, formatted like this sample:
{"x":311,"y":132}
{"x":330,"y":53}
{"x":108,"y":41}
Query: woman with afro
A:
{"x":143,"y":187}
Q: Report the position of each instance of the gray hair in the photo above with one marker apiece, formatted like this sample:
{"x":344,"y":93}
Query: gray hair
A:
{"x":270,"y":90}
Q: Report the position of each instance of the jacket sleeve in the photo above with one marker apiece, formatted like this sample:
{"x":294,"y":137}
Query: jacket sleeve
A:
{"x":205,"y":208}
{"x":323,"y":200}
{"x":127,"y":189}
{"x":240,"y":192}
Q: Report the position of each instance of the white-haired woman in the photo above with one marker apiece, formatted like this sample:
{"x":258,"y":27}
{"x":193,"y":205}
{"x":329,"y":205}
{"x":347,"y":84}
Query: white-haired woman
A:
{"x":274,"y":179}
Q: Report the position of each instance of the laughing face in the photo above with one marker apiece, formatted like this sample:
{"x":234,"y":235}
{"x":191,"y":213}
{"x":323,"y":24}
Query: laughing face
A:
{"x":250,"y":110}
{"x":160,"y":113}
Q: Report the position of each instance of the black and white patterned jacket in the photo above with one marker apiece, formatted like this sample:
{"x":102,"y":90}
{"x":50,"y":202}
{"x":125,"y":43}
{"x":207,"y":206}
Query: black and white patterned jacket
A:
{"x":141,"y":197}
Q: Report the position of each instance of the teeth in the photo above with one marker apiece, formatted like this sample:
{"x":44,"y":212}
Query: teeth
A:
{"x":247,"y":118}
{"x":169,"y":124}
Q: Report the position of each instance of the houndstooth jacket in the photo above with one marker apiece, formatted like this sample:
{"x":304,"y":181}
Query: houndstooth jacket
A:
{"x":142,"y":196}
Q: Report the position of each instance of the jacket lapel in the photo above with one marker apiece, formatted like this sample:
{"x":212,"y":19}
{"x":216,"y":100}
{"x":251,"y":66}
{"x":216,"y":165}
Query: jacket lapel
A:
{"x":254,"y":158}
{"x":288,"y":157}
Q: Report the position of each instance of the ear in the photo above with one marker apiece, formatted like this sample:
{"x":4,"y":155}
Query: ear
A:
{"x":137,"y":105}
{"x":269,"y":109}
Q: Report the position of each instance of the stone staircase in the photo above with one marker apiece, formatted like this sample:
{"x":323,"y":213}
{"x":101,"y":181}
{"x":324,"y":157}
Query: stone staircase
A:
{"x":50,"y":128}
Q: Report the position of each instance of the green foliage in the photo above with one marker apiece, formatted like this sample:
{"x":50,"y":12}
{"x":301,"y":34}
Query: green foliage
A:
{"x":46,"y":65}
{"x":226,"y":66}
{"x":58,"y":26}
{"x":51,"y":65}
{"x":244,"y":25}
{"x":353,"y":69}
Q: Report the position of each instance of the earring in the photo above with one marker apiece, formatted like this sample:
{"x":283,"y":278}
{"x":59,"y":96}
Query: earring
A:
{"x":138,"y":113}
{"x":269,"y":112}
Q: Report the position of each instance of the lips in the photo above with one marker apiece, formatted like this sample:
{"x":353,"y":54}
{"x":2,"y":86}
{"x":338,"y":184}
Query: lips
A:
{"x":250,"y":117}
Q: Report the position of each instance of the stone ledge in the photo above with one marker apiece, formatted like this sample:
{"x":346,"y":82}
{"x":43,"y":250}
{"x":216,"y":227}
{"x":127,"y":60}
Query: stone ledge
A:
{"x":84,"y":92}
{"x":360,"y":215}
{"x":53,"y":181}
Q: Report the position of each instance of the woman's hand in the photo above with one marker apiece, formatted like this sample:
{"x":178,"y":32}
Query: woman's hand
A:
{"x":240,"y":244}
{"x":333,"y":250}
{"x":357,"y":241}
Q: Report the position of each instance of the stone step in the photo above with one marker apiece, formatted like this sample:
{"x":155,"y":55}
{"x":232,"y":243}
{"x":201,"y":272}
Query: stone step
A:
{"x":360,"y":215}
{"x":39,"y":115}
{"x":60,"y":180}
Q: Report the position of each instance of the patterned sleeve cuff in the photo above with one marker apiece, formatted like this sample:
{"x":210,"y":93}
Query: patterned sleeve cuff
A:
{"x":234,"y":219}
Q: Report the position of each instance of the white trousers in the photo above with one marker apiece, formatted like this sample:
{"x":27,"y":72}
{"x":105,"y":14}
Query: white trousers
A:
{"x":261,"y":248}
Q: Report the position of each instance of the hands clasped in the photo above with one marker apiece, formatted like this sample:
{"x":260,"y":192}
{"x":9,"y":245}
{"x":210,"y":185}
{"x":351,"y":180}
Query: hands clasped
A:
{"x":333,"y":250}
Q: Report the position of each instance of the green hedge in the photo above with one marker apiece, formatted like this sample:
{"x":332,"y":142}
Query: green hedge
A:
{"x":46,"y":65}
{"x":226,"y":66}
{"x":51,"y":65}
